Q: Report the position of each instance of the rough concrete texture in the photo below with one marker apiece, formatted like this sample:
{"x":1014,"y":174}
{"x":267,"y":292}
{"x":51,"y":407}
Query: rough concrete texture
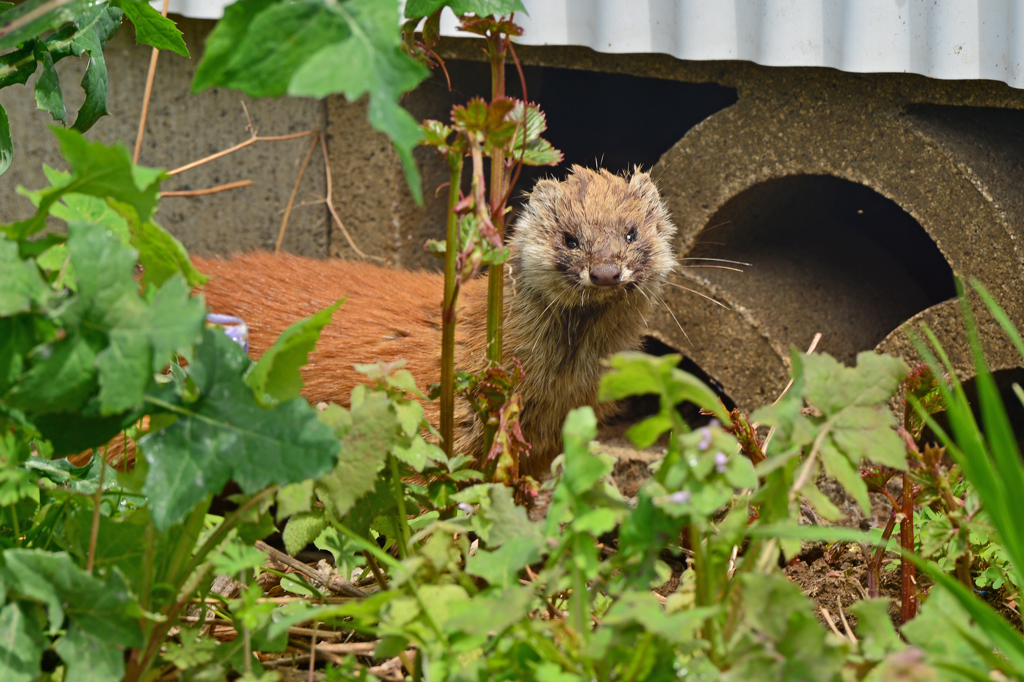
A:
{"x":854,"y":198}
{"x":182,"y":127}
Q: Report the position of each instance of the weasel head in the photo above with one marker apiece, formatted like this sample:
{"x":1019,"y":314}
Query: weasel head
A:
{"x":593,"y":239}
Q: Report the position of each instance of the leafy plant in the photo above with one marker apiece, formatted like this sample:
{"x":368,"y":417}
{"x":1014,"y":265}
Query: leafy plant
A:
{"x":40,"y":34}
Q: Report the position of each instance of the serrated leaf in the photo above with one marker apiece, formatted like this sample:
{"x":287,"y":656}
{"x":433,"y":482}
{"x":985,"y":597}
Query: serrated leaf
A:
{"x":500,"y":567}
{"x":369,"y":59}
{"x":40,"y":24}
{"x":88,"y":658}
{"x":144,"y":343}
{"x":416,"y":453}
{"x":17,"y":66}
{"x":61,"y":378}
{"x":222,"y":42}
{"x":277,"y":371}
{"x":840,"y":468}
{"x":99,"y":171}
{"x":868,"y":432}
{"x":96,"y":26}
{"x":152,"y":28}
{"x":21,"y":285}
{"x":226,"y":434}
{"x":6,"y":143}
{"x":831,"y":387}
{"x":875,"y":630}
{"x":21,"y":644}
{"x":294,"y":499}
{"x":366,"y":438}
{"x":643,"y":434}
{"x":48,"y":94}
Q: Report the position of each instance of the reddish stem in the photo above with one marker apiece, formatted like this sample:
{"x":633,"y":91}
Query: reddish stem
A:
{"x":908,"y":586}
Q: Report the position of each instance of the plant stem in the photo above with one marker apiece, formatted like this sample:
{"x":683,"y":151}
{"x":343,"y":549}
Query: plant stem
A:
{"x":875,"y":566}
{"x":496,"y":273}
{"x":703,"y":591}
{"x":908,"y":586}
{"x":403,"y":519}
{"x":96,"y":503}
{"x":451,"y":295}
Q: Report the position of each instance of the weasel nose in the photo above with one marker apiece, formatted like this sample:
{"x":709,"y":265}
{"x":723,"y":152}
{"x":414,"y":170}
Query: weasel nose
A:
{"x":605,"y":275}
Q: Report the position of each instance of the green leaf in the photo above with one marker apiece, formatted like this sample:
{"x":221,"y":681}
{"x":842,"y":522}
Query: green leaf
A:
{"x":48,"y":95}
{"x":500,"y":568}
{"x":294,"y":498}
{"x":6,"y":143}
{"x":162,"y":256}
{"x":878,"y":637}
{"x":62,"y":375}
{"x":277,"y":38}
{"x":17,"y":66}
{"x":369,"y":60}
{"x":144,"y":342}
{"x":277,"y":371}
{"x":421,"y":8}
{"x":367,"y":434}
{"x":96,"y":26}
{"x":99,"y":171}
{"x":222,"y":43}
{"x":226,"y":434}
{"x":152,"y":28}
{"x":302,"y":529}
{"x":103,"y":608}
{"x":17,"y":337}
{"x":22,"y":287}
{"x":21,"y":644}
{"x":44,"y":22}
{"x":831,"y":387}
{"x":88,"y":658}
{"x":840,"y":468}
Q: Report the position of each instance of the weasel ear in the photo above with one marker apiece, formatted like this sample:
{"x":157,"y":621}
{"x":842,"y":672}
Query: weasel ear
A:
{"x":642,"y":185}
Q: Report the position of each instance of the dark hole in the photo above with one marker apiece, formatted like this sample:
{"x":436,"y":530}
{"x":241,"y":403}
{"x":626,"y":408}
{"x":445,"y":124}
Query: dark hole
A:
{"x":826,"y":255}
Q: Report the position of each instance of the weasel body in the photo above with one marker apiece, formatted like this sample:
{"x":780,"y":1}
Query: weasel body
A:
{"x":589,"y":257}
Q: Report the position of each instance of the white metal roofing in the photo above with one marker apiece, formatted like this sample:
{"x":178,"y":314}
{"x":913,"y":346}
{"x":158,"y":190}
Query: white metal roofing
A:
{"x":959,"y":39}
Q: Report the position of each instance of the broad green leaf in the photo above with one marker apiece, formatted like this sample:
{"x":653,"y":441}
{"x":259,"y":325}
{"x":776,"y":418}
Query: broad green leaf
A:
{"x":490,"y":612}
{"x":48,"y":94}
{"x":44,"y":22}
{"x":875,"y":630}
{"x":72,"y":432}
{"x":643,"y":608}
{"x":500,"y":567}
{"x":221,"y":44}
{"x":840,"y":468}
{"x":421,"y":8}
{"x":162,"y":256}
{"x":151,"y":28}
{"x":144,"y":343}
{"x":88,"y":658}
{"x":294,"y":498}
{"x":96,"y":26}
{"x":103,"y":608}
{"x":868,"y":432}
{"x":278,"y":38}
{"x":22,"y":287}
{"x":369,"y":60}
{"x":277,"y":371}
{"x":99,"y":171}
{"x":226,"y":434}
{"x":62,"y":375}
{"x":6,"y":143}
{"x":831,"y":387}
{"x":21,"y":644}
{"x":367,"y":434}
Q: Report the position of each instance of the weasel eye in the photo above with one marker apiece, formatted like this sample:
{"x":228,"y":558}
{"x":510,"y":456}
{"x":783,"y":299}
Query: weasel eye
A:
{"x":570,"y":241}
{"x":631,"y":235}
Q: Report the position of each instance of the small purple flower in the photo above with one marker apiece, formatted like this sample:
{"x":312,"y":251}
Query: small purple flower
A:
{"x":466,"y":507}
{"x":720,"y":460}
{"x":705,"y":439}
{"x":680,"y":497}
{"x":714,"y":423}
{"x":235,"y":327}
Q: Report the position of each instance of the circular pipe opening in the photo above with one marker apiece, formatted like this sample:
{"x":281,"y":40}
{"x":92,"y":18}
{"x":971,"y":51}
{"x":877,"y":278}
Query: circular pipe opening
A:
{"x":826,"y":255}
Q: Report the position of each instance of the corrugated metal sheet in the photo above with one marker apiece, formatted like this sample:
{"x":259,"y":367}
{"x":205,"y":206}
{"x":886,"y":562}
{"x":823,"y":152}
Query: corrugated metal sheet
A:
{"x":958,"y":39}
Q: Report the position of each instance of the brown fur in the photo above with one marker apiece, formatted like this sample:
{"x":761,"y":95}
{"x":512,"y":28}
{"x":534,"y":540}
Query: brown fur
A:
{"x":557,"y":323}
